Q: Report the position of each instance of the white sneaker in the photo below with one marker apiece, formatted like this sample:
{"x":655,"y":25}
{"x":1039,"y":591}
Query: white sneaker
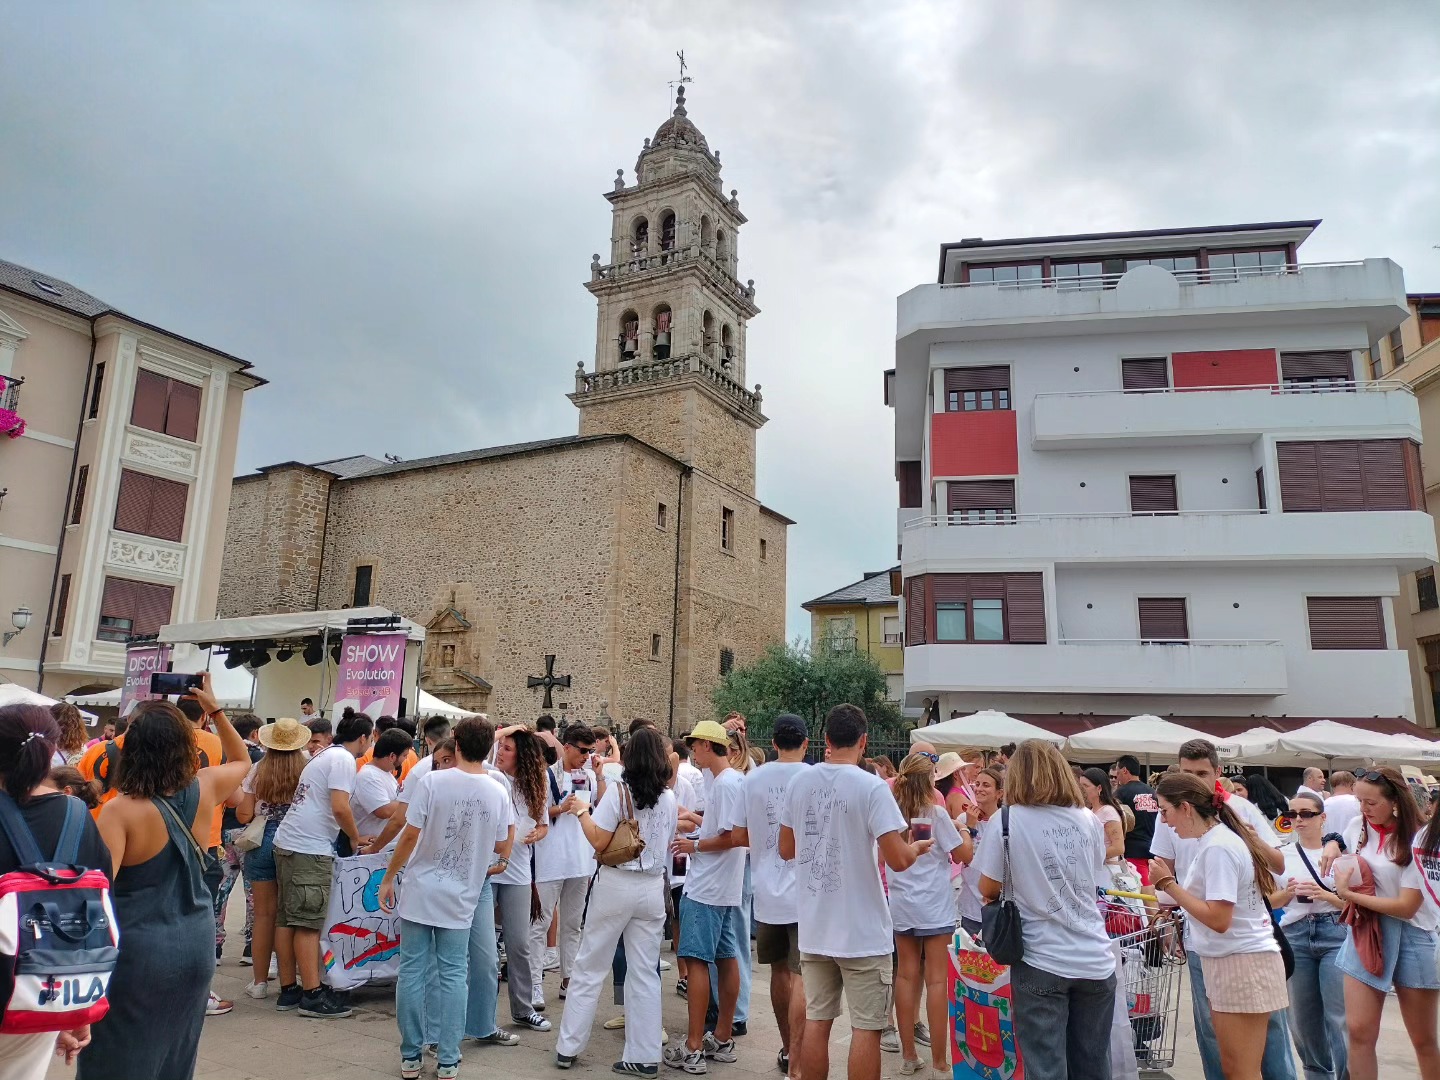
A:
{"x":274,"y":967}
{"x":552,"y":960}
{"x":664,"y":965}
{"x":258,"y":990}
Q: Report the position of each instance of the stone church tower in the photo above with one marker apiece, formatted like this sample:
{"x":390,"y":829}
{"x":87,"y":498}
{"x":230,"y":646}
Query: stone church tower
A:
{"x":631,"y":563}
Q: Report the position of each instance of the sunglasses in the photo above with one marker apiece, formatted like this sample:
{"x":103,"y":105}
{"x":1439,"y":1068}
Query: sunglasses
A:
{"x":1303,"y":815}
{"x":934,"y":758}
{"x":586,"y":749}
{"x":1372,"y":776}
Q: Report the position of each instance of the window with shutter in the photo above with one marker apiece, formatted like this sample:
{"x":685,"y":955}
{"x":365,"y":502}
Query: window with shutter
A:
{"x":1346,"y":475}
{"x":1145,"y":373}
{"x":1153,"y":495}
{"x":975,"y":502}
{"x":1319,"y":371}
{"x":62,"y":606}
{"x":167,"y":510}
{"x":979,"y":389}
{"x":907,"y":473}
{"x":1425,"y":590}
{"x":1163,"y":620}
{"x":1346,"y":622}
{"x":1260,"y":488}
{"x":169,"y":406}
{"x":132,"y":608}
{"x":981,"y":608}
{"x":1025,"y":606}
{"x":915,"y":611}
{"x":1299,"y":477}
{"x":150,"y":506}
{"x":96,"y":384}
{"x":77,"y":505}
{"x":182,"y":416}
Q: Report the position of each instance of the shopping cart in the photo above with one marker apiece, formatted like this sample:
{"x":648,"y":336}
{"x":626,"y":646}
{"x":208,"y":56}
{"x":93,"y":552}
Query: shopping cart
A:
{"x":1153,"y":963}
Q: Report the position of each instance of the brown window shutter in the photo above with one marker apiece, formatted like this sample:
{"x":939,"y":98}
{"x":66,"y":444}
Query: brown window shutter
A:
{"x":1342,"y":483}
{"x":915,"y":611}
{"x":1414,"y":477}
{"x":1025,"y":608}
{"x":182,"y":417}
{"x":981,"y":495}
{"x":117,"y":601}
{"x":1153,"y":495}
{"x":1336,"y":365}
{"x":132,"y":505}
{"x":77,"y":505}
{"x":1299,"y":477}
{"x":908,"y":474}
{"x":1384,"y":483}
{"x":151,"y":392}
{"x":1163,"y":619}
{"x":1260,"y":488}
{"x":949,"y":587}
{"x":152,"y":606}
{"x":1149,"y":373}
{"x":167,"y":509}
{"x":1346,"y":622}
{"x":977,"y":378}
{"x":62,"y":606}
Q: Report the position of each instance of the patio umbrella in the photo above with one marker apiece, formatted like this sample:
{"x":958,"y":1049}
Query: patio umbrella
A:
{"x":1143,"y":736}
{"x":984,"y":730}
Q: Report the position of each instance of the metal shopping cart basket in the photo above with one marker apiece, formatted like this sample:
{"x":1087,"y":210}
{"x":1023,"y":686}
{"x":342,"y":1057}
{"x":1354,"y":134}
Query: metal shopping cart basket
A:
{"x":1153,"y":963}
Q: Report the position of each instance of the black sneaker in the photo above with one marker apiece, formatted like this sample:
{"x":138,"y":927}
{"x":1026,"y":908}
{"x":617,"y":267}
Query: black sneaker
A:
{"x":246,"y":960}
{"x":289,"y":998}
{"x":739,"y":1029}
{"x":321,"y":1006}
{"x":564,"y":1061}
{"x":634,"y":1068}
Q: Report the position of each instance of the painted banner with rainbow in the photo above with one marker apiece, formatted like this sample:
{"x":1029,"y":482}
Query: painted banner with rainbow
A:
{"x":361,"y":942}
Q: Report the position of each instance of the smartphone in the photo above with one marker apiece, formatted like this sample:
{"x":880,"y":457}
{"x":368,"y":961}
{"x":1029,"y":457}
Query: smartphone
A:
{"x":174,"y":682}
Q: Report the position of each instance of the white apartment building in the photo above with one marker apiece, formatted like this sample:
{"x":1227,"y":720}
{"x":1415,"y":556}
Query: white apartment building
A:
{"x":1138,"y":475}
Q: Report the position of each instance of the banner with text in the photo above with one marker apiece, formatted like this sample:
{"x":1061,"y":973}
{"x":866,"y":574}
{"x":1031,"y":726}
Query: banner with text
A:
{"x":372,"y":669}
{"x":140,"y":663}
{"x":361,"y":942}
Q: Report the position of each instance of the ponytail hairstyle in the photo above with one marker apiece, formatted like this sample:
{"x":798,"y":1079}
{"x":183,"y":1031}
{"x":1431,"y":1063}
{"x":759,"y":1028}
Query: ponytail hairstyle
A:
{"x":1394,"y":787}
{"x":915,"y":787}
{"x":1178,"y":788}
{"x":28,"y":737}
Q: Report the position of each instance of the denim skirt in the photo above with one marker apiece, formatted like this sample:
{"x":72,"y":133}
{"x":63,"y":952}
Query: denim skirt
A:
{"x":1411,"y":958}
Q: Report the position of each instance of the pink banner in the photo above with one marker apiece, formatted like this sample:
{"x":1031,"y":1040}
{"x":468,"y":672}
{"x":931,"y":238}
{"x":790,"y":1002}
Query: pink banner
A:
{"x":372,"y":668}
{"x":140,"y":664}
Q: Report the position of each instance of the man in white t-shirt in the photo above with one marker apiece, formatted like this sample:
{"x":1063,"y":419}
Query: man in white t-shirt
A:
{"x":458,"y":832}
{"x":1313,"y":782}
{"x":834,"y":816}
{"x":1342,"y":807}
{"x":710,"y":904}
{"x":777,"y":940}
{"x":689,"y":773}
{"x":373,"y":802}
{"x":564,"y":859}
{"x":305,"y":865}
{"x":1174,"y":855}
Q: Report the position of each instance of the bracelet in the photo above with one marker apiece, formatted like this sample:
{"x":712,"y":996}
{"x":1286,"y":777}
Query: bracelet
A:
{"x":1163,"y":884}
{"x":1336,"y":837}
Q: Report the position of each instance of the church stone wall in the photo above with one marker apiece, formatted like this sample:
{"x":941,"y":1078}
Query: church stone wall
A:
{"x":273,"y":542}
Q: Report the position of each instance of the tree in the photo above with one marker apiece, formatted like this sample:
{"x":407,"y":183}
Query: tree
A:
{"x":808,"y":680}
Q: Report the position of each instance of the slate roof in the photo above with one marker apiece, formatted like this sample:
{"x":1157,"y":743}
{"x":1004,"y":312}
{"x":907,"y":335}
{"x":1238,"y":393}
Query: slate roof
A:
{"x":871,"y":589}
{"x":465,"y":456}
{"x":346,"y":467}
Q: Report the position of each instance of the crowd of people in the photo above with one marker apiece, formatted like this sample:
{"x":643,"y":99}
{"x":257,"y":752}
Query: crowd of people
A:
{"x":515,"y":852}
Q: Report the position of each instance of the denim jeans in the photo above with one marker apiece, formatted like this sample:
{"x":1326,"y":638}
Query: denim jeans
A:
{"x":484,"y":989}
{"x":1062,"y":1025}
{"x":1279,"y":1060}
{"x":1317,"y":993}
{"x":424,"y":948}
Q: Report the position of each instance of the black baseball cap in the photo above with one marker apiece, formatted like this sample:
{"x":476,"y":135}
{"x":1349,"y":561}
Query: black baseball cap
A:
{"x":790,"y":724}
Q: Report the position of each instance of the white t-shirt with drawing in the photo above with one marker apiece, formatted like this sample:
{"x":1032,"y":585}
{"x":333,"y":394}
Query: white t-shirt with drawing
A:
{"x":461,"y":817}
{"x":310,"y":827}
{"x":773,"y":877}
{"x":837,"y":813}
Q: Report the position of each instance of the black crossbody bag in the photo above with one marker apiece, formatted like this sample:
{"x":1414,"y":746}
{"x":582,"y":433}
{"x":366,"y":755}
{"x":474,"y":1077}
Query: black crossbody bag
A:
{"x":1001,"y":927}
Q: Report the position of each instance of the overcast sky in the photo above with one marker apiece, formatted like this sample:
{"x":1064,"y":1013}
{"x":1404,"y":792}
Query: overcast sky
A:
{"x":390,"y":208}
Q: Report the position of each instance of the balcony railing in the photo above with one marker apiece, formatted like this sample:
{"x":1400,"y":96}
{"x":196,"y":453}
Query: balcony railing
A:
{"x":674,"y":367}
{"x":1293,"y":386}
{"x":894,"y":639}
{"x":840,"y":643}
{"x":1096,"y":282}
{"x":672,"y":257}
{"x":957,"y":518}
{"x":1168,"y":641}
{"x":10,"y":395}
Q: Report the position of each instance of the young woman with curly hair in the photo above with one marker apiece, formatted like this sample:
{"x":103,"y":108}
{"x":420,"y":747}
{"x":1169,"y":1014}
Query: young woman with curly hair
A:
{"x":520,"y":759}
{"x":156,"y":829}
{"x":71,"y":747}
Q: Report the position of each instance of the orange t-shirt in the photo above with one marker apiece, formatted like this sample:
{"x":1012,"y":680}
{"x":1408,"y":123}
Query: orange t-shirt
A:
{"x":93,"y":767}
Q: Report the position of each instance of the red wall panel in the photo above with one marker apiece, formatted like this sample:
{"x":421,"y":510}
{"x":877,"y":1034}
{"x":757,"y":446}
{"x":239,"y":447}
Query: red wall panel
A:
{"x":974,"y":444}
{"x":1229,"y":367}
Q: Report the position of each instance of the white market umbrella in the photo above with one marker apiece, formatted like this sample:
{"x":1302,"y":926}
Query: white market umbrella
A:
{"x":1143,"y":736}
{"x":15,"y":694}
{"x":1257,"y":746}
{"x":1333,"y":743}
{"x":984,"y":730}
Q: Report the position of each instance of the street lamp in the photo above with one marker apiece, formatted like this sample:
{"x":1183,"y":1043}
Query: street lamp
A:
{"x":20,"y":619}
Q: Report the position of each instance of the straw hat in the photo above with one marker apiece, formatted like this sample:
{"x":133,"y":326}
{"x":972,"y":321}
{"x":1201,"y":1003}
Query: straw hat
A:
{"x":948,"y":764}
{"x":286,"y":733}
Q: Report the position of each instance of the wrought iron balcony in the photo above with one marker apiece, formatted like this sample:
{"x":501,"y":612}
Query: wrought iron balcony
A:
{"x":10,"y":395}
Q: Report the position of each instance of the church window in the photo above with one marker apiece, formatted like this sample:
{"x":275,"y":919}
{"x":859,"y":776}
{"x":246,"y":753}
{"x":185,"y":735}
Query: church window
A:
{"x":654,"y":646}
{"x":727,"y":661}
{"x":707,"y":236}
{"x":640,"y":238}
{"x":722,"y":252}
{"x":662,"y":332}
{"x":707,"y":334}
{"x":360,"y":596}
{"x":727,"y":347}
{"x":629,"y":336}
{"x":447,"y":656}
{"x":667,"y":236}
{"x":762,"y":549}
{"x":727,"y":529}
{"x":660,"y":516}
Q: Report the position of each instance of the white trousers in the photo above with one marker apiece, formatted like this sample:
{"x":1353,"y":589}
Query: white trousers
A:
{"x":629,"y":905}
{"x":566,"y":896}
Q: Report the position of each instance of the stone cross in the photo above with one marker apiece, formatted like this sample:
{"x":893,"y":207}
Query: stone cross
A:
{"x":549,"y":681}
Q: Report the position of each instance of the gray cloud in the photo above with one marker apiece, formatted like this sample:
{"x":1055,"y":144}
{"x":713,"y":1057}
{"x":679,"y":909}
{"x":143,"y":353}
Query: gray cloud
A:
{"x":390,"y":209}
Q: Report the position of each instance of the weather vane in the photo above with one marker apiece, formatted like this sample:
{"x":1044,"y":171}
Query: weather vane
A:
{"x":683,"y":77}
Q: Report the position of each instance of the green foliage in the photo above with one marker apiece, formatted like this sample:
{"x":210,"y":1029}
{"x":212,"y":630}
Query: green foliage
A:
{"x":808,"y":681}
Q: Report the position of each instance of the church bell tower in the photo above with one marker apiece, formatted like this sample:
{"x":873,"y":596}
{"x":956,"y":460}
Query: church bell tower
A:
{"x":670,"y":361}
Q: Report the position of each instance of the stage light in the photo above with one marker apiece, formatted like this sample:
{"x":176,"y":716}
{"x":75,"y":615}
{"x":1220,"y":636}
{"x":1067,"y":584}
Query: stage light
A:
{"x":314,"y":652}
{"x":335,"y":652}
{"x":260,"y":659}
{"x":284,"y":654}
{"x":235,"y":658}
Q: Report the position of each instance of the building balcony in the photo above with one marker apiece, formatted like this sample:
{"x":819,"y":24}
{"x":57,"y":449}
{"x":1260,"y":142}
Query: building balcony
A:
{"x":642,"y":376}
{"x":1111,"y":418}
{"x":1401,"y":538}
{"x":10,"y":392}
{"x":606,"y":277}
{"x":1372,"y":291}
{"x":1241,"y":668}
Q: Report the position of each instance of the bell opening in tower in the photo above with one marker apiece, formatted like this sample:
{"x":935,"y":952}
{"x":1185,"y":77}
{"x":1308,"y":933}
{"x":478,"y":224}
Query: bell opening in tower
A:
{"x":662,"y":333}
{"x":629,"y":337}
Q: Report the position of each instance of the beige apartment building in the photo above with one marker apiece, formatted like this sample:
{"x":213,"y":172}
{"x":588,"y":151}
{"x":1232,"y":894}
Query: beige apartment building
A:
{"x":1411,"y":354}
{"x":117,"y":445}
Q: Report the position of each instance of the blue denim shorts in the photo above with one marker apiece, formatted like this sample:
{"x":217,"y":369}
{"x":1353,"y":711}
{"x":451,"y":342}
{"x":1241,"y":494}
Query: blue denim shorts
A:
{"x":1410,"y":958}
{"x":260,"y":863}
{"x":708,"y":933}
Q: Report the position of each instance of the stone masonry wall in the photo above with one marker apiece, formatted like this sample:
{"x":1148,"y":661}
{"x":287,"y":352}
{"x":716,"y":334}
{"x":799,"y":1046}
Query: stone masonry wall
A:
{"x":272,"y":542}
